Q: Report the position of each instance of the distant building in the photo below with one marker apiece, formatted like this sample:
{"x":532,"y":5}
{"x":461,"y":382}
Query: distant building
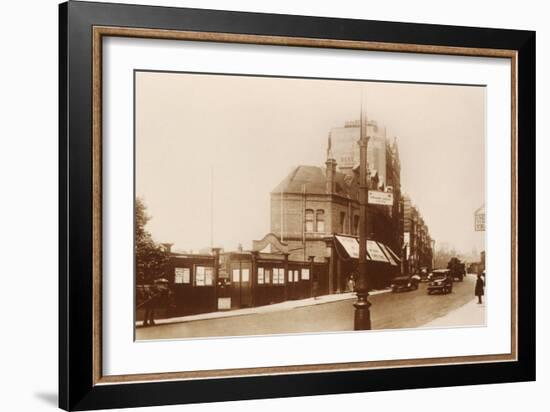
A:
{"x":313,"y":204}
{"x":345,"y":149}
{"x":417,"y":239}
{"x":478,"y":267}
{"x":383,"y":162}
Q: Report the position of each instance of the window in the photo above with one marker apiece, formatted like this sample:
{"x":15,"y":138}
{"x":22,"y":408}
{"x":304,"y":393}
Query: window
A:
{"x":309,"y":220}
{"x":268,"y":276}
{"x":305,"y":274}
{"x":278,"y":276}
{"x":356,"y":225}
{"x":275,"y":278}
{"x":293,"y":276}
{"x":245,"y":275}
{"x":320,"y":221}
{"x":261,"y":276}
{"x":342,"y":221}
{"x":182,"y":275}
{"x":204,"y":276}
{"x":222,"y":272}
{"x":209,"y":276}
{"x":236,"y":276}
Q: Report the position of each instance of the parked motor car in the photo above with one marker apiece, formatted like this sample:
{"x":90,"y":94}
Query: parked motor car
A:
{"x":403,"y":283}
{"x":441,"y":281}
{"x":424,"y":274}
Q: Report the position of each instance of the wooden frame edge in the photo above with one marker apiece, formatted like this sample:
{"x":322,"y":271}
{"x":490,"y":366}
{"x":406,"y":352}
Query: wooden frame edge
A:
{"x":297,"y":369}
{"x":98,"y":32}
{"x":97,"y":106}
{"x":297,"y":41}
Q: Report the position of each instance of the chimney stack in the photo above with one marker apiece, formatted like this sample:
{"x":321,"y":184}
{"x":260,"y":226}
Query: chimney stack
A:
{"x":167,"y":247}
{"x":331,"y":175}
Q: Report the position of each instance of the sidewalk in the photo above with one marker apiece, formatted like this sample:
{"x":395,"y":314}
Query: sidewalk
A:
{"x":470,"y":314}
{"x":275,"y":307}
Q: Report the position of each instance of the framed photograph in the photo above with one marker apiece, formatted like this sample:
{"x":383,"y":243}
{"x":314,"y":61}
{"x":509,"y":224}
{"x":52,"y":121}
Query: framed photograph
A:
{"x":356,"y":197}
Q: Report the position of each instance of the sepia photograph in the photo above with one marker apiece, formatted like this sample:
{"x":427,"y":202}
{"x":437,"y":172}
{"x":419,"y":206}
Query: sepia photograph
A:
{"x":268,"y":205}
{"x":261,"y":205}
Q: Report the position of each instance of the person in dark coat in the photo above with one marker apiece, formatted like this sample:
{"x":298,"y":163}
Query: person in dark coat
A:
{"x":480,"y":288}
{"x":315,"y":287}
{"x":157,"y":297}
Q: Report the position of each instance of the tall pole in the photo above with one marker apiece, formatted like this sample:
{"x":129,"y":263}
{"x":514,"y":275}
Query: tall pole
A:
{"x":304,"y":219}
{"x":211,"y":207}
{"x":362,"y":305}
{"x":282,"y":216}
{"x":433,"y":254}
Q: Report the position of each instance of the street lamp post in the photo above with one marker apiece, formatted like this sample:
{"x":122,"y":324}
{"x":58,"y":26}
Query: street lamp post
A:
{"x":362,"y":305}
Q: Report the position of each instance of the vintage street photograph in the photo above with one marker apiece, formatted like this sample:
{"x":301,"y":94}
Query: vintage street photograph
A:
{"x":278,"y":205}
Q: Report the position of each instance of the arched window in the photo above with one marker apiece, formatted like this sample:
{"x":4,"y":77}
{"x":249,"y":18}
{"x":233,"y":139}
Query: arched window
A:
{"x":320,"y":221}
{"x":309,"y":220}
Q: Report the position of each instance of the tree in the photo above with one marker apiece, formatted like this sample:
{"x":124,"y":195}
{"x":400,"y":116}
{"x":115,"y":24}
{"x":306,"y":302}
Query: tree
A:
{"x":442,"y":256}
{"x":151,"y":258}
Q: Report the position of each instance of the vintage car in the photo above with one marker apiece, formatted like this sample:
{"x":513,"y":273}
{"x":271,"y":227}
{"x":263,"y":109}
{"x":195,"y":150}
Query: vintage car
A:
{"x":441,"y":281}
{"x":457,"y":268}
{"x":424,"y":273}
{"x":400,"y":283}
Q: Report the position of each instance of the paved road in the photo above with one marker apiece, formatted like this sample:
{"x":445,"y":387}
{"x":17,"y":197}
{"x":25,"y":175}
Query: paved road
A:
{"x":388,"y":311}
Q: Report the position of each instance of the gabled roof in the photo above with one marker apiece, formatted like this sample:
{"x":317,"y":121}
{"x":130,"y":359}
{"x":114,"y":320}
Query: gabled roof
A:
{"x":315,"y":181}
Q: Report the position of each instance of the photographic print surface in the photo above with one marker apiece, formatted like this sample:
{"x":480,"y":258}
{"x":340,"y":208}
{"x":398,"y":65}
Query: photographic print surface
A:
{"x":273,"y":205}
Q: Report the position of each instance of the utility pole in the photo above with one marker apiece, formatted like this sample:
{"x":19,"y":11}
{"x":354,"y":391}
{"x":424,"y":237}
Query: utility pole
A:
{"x":212,"y":207}
{"x":362,"y":305}
{"x":433,"y":254}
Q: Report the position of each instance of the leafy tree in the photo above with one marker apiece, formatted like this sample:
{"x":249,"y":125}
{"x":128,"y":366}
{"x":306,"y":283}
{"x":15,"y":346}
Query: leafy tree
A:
{"x":151,"y":258}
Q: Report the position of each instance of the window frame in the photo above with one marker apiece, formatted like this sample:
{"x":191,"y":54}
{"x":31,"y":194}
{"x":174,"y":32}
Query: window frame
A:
{"x":309,"y":218}
{"x":176,"y":275}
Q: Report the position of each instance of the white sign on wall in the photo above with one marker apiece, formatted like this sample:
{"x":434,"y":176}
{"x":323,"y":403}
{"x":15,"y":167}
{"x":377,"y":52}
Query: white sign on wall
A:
{"x":380,"y":198}
{"x":407,"y":241}
{"x":224,"y":303}
{"x":479,"y":219}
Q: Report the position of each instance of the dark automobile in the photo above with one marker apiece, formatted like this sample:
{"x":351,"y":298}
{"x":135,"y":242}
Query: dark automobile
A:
{"x":441,"y":281}
{"x":405,"y":283}
{"x":424,"y":275}
{"x":457,"y":268}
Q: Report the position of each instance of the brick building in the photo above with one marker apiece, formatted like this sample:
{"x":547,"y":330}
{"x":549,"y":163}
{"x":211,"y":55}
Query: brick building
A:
{"x":417,"y":239}
{"x":345,"y":149}
{"x":313,"y":204}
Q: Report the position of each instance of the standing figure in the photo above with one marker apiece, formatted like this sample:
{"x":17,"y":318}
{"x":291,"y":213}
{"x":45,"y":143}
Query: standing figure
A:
{"x":351,"y":283}
{"x":315,"y":287}
{"x":157,"y":297}
{"x":480,"y":288}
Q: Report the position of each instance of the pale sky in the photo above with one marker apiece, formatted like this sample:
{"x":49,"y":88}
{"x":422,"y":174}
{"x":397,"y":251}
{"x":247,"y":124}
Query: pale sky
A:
{"x":245,"y":134}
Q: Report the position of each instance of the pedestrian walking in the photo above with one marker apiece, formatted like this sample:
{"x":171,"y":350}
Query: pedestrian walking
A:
{"x":351,"y":284}
{"x":480,"y":288}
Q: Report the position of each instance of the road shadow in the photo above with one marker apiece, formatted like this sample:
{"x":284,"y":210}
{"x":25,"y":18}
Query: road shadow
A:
{"x":49,"y":398}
